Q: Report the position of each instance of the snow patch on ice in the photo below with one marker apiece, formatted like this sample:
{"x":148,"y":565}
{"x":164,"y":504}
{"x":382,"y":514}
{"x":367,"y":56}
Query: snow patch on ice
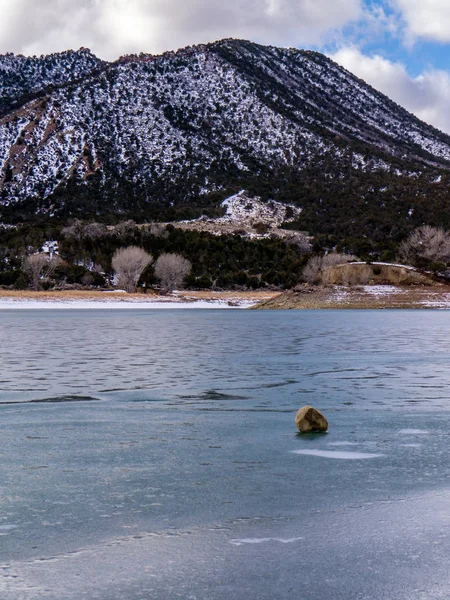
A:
{"x":240,"y":542}
{"x":413,"y":432}
{"x":342,"y":444}
{"x":338,"y":454}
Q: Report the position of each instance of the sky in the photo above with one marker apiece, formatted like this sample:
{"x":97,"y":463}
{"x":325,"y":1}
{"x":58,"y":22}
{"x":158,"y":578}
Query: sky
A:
{"x":401,"y":47}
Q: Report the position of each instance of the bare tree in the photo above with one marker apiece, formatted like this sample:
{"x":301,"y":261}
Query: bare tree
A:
{"x":40,"y":267}
{"x":317,"y":264}
{"x":128,"y":264}
{"x":94,"y":230}
{"x":125,"y":228}
{"x":312,"y":269}
{"x":432,"y":243}
{"x":158,"y":230}
{"x":79,"y":230}
{"x":171,"y":270}
{"x":74,"y":230}
{"x":300,"y":239}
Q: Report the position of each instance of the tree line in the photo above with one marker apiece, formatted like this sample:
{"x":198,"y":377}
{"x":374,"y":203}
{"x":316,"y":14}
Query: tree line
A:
{"x":86,"y":251}
{"x":155,"y":255}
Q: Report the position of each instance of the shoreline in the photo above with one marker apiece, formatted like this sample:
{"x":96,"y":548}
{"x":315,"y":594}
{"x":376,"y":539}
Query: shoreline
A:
{"x":369,"y":297}
{"x":80,"y":300}
{"x":304,"y":297}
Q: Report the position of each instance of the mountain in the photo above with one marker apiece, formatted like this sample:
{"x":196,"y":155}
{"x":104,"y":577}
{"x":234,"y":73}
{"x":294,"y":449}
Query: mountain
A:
{"x":172,"y":135}
{"x":22,"y":78}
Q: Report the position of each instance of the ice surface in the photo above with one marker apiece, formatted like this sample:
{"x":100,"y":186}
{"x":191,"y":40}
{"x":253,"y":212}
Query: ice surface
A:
{"x":182,"y":476}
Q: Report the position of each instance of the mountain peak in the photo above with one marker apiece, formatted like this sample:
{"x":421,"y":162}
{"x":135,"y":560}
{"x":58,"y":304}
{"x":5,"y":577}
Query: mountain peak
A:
{"x":146,"y":132}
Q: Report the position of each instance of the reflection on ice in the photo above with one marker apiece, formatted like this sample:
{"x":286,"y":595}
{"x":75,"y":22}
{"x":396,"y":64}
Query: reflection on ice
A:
{"x":337,"y":454}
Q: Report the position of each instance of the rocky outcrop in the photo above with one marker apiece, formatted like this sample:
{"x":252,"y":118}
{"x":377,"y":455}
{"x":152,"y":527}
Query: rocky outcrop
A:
{"x":358,"y":273}
{"x":309,"y":419}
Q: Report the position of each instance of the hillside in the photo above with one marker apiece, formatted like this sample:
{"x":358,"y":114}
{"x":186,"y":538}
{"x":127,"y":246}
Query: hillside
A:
{"x":171,"y":136}
{"x":22,"y":77}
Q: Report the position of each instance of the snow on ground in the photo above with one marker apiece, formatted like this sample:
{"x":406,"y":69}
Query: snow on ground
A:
{"x":50,"y":247}
{"x":242,"y":207}
{"x":441,"y":303}
{"x":30,"y":304}
{"x":247,"y":213}
{"x":340,"y":294}
{"x":386,"y":264}
{"x":382,"y":290}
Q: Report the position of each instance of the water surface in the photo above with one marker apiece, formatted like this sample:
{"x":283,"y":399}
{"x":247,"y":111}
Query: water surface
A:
{"x":153,"y":454}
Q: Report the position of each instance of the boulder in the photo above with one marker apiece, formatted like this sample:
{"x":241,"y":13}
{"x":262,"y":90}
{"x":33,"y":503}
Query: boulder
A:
{"x":309,"y":419}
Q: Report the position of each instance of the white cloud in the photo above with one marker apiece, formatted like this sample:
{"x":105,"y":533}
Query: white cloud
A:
{"x":427,"y":96}
{"x":114,"y":27}
{"x":429,"y":19}
{"x":46,"y":26}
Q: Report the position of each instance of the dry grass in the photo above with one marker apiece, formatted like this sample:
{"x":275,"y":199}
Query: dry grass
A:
{"x":64,"y":295}
{"x":363,"y":274}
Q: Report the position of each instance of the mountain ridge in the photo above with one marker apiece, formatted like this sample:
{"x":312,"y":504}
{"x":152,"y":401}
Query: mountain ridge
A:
{"x":97,"y":64}
{"x":146,"y":134}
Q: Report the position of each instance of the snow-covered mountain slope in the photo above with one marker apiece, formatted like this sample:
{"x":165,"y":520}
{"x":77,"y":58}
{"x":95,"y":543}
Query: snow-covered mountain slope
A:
{"x":96,"y":137}
{"x":315,"y":91}
{"x":22,"y":77}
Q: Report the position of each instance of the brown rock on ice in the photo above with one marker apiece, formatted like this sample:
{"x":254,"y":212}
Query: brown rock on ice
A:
{"x":309,"y":419}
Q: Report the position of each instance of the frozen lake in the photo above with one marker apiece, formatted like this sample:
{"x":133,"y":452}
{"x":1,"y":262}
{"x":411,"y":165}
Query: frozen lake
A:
{"x":153,"y":455}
